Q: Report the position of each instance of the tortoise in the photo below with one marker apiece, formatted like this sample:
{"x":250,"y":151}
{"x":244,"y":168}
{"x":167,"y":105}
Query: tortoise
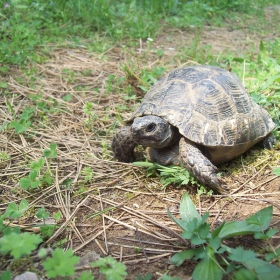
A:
{"x":199,"y":117}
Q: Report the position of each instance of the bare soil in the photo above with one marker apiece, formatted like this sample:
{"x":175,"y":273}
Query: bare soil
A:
{"x":137,"y":230}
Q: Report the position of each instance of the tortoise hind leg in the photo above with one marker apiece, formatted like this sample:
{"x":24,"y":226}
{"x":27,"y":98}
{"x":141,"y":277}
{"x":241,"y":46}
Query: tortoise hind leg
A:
{"x":123,"y":145}
{"x":200,"y":166}
{"x":269,"y":141}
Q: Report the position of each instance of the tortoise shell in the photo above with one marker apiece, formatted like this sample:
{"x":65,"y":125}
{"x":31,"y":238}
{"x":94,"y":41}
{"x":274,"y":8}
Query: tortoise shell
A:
{"x":208,"y":105}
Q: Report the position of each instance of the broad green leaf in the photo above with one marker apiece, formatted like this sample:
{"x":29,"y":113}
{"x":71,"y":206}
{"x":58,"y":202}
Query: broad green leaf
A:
{"x":240,"y":254}
{"x":86,"y":276}
{"x":187,"y":209}
{"x":33,"y":175}
{"x":35,"y":184}
{"x":204,"y":217}
{"x":37,"y":165}
{"x":24,"y":183}
{"x":244,"y":274}
{"x":276,"y":171}
{"x":19,"y":244}
{"x":180,"y":257}
{"x":237,"y":228}
{"x":6,"y":275}
{"x":263,"y":269}
{"x":260,"y":235}
{"x":61,"y":263}
{"x":112,"y":269}
{"x":271,"y":232}
{"x":12,"y":210}
{"x":203,"y":230}
{"x":208,"y":268}
{"x":196,"y":240}
{"x":262,"y":218}
{"x":57,"y":216}
{"x":273,"y":255}
{"x":255,"y":223}
{"x":215,"y":242}
{"x":216,"y":231}
{"x":42,"y":213}
{"x":53,"y":146}
{"x":182,"y":224}
{"x":187,"y":234}
{"x":51,"y":153}
{"x":23,"y":206}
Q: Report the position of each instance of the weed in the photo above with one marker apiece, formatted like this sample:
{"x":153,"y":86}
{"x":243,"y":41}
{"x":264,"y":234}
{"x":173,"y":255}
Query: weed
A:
{"x":88,"y":173}
{"x":169,"y":174}
{"x":4,"y":158}
{"x":91,"y":116}
{"x":276,"y":171}
{"x":216,"y":258}
{"x":109,"y":266}
{"x":35,"y":179}
{"x":262,"y":78}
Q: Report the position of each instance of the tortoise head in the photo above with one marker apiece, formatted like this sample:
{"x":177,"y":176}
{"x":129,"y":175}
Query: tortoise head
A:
{"x":153,"y":131}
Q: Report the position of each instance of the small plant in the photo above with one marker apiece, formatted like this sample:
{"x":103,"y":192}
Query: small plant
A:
{"x":90,"y":114}
{"x":276,"y":171}
{"x":105,"y":151}
{"x":47,"y":230}
{"x":62,"y":263}
{"x":217,"y":259}
{"x":110,"y":268}
{"x":88,"y":173}
{"x":169,"y":174}
{"x":11,"y":240}
{"x":4,"y":158}
{"x":35,"y":178}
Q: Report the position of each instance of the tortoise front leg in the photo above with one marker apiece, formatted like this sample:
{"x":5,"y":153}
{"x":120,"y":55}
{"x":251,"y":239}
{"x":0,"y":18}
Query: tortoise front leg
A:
{"x":200,"y":166}
{"x":123,"y":145}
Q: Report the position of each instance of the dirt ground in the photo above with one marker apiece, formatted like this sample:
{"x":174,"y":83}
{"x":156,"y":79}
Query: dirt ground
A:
{"x":135,"y":227}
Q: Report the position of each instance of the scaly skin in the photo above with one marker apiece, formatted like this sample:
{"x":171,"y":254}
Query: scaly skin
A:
{"x":200,"y":166}
{"x":269,"y":141}
{"x":123,"y":145}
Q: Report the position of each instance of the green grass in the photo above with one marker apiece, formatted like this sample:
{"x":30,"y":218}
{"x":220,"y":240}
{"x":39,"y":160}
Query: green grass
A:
{"x":27,"y":26}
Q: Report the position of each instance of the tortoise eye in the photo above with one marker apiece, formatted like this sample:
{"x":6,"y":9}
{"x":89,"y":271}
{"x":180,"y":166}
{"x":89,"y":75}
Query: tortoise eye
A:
{"x":150,"y":127}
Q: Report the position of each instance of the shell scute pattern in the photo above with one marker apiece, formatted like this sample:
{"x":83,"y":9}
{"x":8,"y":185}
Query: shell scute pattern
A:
{"x":236,"y":91}
{"x":210,"y":101}
{"x":208,"y":105}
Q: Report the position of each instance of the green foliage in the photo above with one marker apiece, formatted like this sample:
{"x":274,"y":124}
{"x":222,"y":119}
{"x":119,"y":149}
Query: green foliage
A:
{"x":26,"y":24}
{"x":60,"y":264}
{"x":51,"y":152}
{"x":210,"y":249}
{"x":91,"y":116}
{"x":148,"y":276}
{"x":276,"y":171}
{"x":170,"y":174}
{"x":19,"y":244}
{"x":6,"y":275}
{"x":13,"y":211}
{"x":34,"y":179}
{"x":110,"y":268}
{"x":263,"y":78}
{"x":88,"y":173}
